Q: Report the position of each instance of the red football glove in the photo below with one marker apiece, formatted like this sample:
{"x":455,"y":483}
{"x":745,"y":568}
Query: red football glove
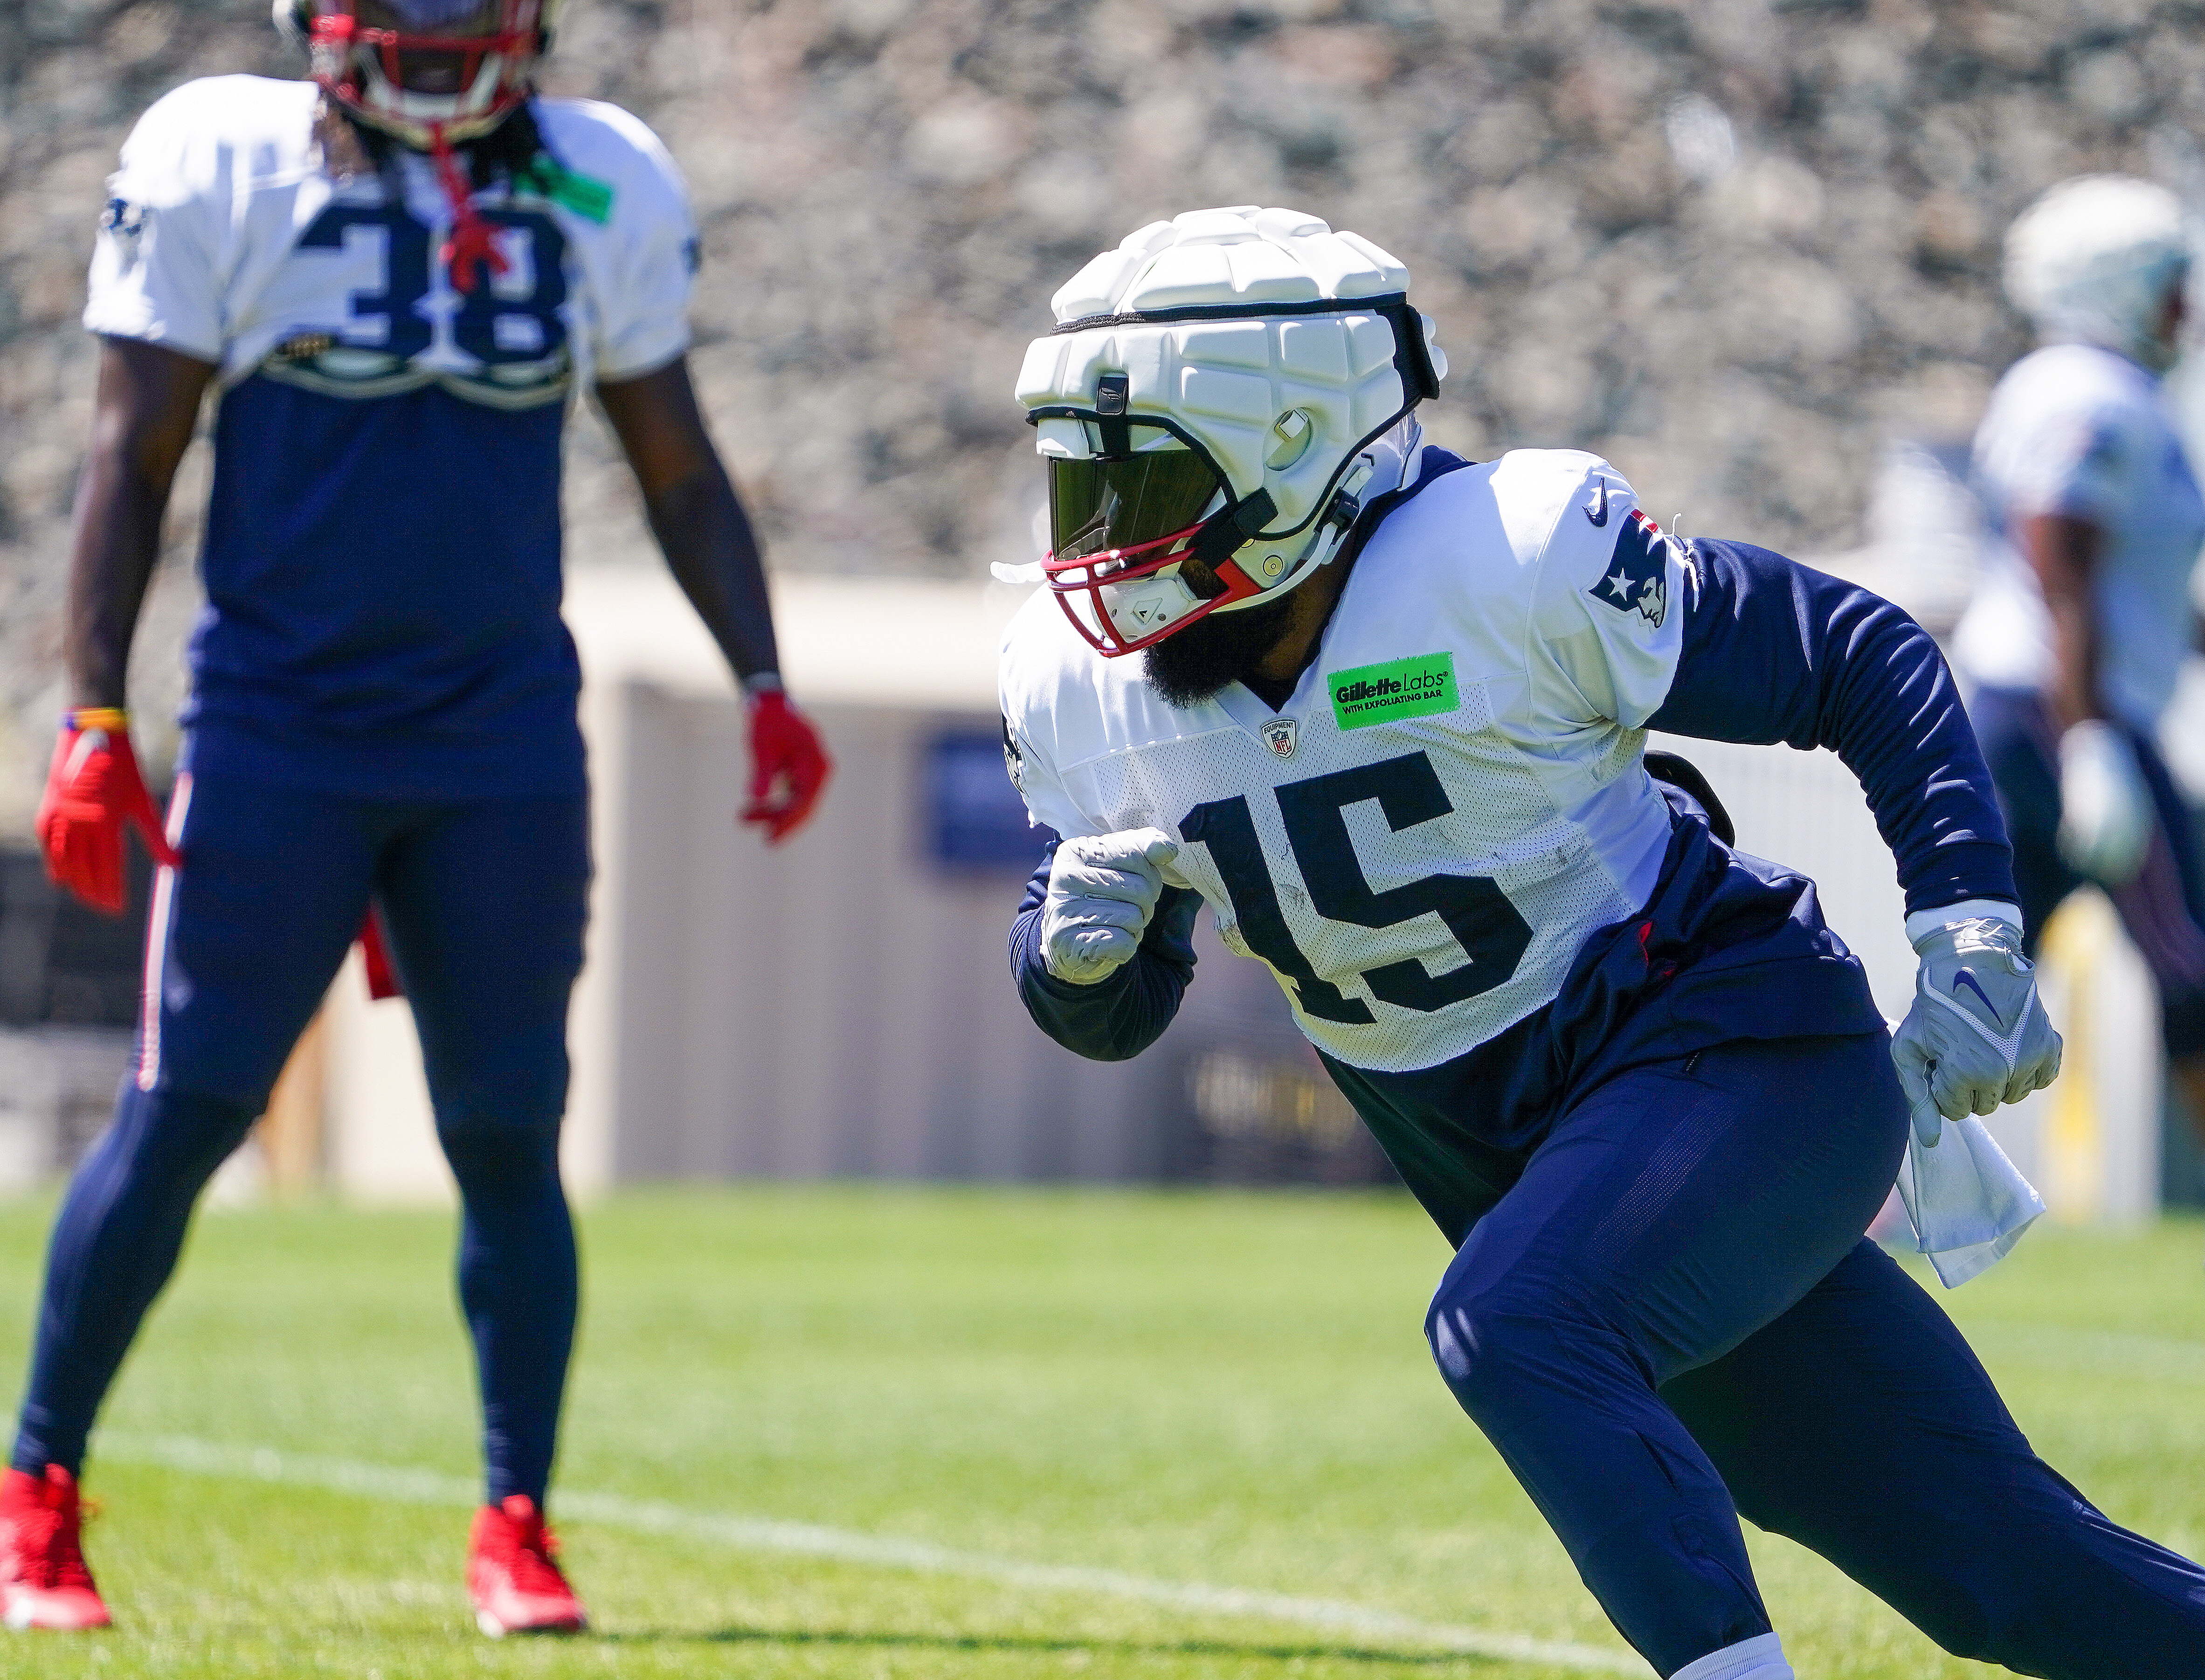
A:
{"x":788,"y":767}
{"x":92,"y":789}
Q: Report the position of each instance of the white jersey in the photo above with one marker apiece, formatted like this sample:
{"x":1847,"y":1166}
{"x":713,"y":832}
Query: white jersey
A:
{"x":2076,"y":430}
{"x":225,"y":239}
{"x":1451,"y":799}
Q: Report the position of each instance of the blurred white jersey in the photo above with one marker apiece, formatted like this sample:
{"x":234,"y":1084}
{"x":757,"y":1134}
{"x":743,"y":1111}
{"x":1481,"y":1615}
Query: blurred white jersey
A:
{"x":2076,"y":430}
{"x":224,"y":239}
{"x":1451,"y":799}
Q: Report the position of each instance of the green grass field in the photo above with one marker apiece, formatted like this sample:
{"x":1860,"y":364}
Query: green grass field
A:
{"x":857,"y":1432}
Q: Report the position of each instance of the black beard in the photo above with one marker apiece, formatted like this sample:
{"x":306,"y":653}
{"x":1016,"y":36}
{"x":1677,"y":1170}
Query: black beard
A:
{"x":1193,"y":666}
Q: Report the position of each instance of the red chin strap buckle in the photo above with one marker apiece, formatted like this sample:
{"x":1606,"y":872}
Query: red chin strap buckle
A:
{"x":1069,"y":579}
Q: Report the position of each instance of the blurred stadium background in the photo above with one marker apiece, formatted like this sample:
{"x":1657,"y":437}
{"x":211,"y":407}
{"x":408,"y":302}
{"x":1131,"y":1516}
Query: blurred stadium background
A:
{"x":1746,"y":248}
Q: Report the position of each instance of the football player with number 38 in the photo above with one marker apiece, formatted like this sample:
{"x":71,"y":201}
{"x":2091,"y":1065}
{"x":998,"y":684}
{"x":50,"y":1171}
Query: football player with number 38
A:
{"x":395,"y":275}
{"x":2078,"y":630}
{"x":1385,"y":709}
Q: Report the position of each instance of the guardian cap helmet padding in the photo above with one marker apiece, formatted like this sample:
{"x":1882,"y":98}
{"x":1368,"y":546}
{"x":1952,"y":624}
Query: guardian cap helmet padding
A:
{"x":1229,"y":387}
{"x":2094,"y":261}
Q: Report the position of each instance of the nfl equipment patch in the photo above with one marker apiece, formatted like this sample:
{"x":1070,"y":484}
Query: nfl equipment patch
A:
{"x":1637,"y":580}
{"x":1279,"y":734}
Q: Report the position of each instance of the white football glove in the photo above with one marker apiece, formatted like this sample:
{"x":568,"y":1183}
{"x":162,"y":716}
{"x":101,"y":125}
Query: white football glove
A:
{"x":1976,"y":1036}
{"x":1101,"y":892}
{"x":2106,"y":814}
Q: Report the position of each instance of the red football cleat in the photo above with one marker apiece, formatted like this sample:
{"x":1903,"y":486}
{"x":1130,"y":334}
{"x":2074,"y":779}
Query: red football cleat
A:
{"x":45,"y":1581}
{"x":511,"y":1577}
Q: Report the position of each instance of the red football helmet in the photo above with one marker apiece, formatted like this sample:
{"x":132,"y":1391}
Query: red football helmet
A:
{"x":425,"y":71}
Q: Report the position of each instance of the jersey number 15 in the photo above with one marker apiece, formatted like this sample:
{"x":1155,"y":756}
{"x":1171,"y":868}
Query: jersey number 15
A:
{"x":1491,"y":931}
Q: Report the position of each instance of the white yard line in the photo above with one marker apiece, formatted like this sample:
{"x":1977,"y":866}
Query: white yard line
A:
{"x":843,"y":1546}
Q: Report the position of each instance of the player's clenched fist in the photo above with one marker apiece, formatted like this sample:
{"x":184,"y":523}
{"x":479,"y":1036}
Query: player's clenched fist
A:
{"x":788,"y":767}
{"x":93,"y":790}
{"x":2106,"y":814}
{"x":1102,"y":890}
{"x":1976,"y":1036}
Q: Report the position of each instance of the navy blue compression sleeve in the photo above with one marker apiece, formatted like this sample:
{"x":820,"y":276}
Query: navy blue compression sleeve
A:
{"x":1776,"y":652}
{"x":1119,"y":1017}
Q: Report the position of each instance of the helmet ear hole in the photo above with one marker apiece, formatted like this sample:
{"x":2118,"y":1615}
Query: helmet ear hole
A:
{"x":1290,"y":436}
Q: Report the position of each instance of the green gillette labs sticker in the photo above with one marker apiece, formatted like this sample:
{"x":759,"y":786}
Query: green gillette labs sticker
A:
{"x":1414,"y":688}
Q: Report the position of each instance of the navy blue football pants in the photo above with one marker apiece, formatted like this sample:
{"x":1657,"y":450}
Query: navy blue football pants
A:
{"x":1672,"y":1319}
{"x":484,"y":902}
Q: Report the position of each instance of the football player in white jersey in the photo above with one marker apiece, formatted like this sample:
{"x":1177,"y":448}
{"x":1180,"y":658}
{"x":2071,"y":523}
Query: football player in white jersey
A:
{"x":396,"y":276}
{"x":1385,"y":711}
{"x":2078,"y":629}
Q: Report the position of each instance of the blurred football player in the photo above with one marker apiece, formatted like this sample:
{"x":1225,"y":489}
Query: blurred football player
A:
{"x":2082,"y":618}
{"x":395,"y":275}
{"x":1385,"y":709}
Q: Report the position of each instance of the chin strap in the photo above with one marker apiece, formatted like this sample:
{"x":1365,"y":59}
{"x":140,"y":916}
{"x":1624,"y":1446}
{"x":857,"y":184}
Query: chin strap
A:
{"x":1383,"y":469}
{"x":472,"y":243}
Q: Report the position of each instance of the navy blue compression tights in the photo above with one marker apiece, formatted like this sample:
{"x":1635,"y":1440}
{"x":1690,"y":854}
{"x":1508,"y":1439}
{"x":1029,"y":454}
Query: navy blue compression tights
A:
{"x":1671,"y":1319}
{"x":484,"y":901}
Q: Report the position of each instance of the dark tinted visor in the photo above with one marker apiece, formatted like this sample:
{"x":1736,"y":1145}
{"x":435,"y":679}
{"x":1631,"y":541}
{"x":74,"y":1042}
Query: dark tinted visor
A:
{"x":1095,"y":506}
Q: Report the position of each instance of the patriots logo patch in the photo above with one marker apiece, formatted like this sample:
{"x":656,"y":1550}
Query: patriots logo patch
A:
{"x":1014,"y":758}
{"x":1638,"y":573}
{"x":125,"y":224}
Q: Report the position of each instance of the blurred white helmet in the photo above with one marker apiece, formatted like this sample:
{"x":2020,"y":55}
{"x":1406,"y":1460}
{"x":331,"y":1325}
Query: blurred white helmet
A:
{"x":2094,"y":261}
{"x":1231,"y":386}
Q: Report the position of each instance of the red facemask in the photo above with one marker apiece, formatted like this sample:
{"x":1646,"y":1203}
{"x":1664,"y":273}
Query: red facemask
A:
{"x":340,"y":49}
{"x":1115,"y":569}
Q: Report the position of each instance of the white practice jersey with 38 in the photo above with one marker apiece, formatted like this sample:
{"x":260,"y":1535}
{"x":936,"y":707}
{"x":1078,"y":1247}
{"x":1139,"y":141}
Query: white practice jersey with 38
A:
{"x":2077,"y":430}
{"x":1453,"y":797}
{"x":225,"y":239}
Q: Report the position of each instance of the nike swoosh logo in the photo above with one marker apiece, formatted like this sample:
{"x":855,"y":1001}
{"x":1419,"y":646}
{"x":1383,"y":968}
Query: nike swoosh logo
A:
{"x":1964,"y":978}
{"x":1595,"y":506}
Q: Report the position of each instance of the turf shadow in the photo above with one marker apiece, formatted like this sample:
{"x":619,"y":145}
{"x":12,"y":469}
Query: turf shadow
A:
{"x":1034,"y":1643}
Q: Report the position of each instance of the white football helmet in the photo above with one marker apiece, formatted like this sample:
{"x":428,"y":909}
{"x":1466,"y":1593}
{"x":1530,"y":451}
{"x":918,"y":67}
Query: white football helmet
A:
{"x":1232,"y":387}
{"x":2094,"y":260}
{"x":429,"y":71}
